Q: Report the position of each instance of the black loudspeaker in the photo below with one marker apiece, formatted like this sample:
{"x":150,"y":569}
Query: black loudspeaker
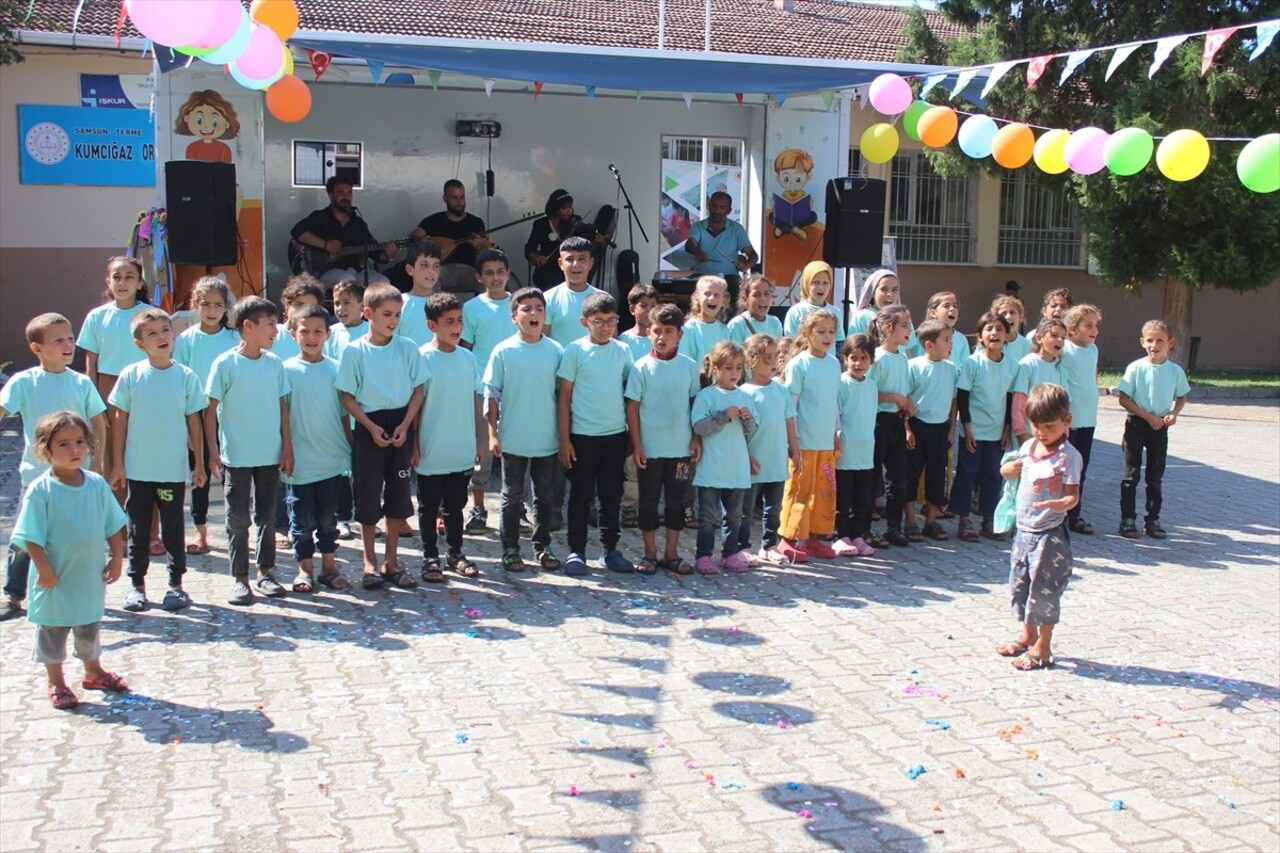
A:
{"x":855,"y":222}
{"x":201,"y":201}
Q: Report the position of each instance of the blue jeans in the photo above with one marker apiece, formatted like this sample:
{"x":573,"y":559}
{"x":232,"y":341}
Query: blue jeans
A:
{"x":313,"y":509}
{"x":983,"y":465}
{"x":772,"y":493}
{"x":710,"y":502}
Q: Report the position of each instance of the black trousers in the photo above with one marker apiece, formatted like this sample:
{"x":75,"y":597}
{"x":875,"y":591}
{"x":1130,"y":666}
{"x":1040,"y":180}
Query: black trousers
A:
{"x":854,"y":499}
{"x":450,"y":492}
{"x":891,"y":455}
{"x":145,"y":498}
{"x":1081,"y":439}
{"x":200,"y":494}
{"x":929,"y":458}
{"x":660,"y":479}
{"x":1139,"y":437}
{"x":381,"y":475}
{"x":596,"y":471}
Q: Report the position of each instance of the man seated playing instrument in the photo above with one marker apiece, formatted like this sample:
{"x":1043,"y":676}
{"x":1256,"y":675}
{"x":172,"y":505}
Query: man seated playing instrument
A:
{"x":459,"y":234}
{"x":721,"y":246}
{"x":338,"y":227}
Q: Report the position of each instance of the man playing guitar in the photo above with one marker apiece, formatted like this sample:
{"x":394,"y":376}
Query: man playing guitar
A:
{"x":340,"y":232}
{"x":459,"y":234}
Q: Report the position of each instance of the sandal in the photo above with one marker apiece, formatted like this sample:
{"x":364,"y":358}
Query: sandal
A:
{"x":431,"y":571}
{"x":935,"y":532}
{"x":1082,"y":526}
{"x":676,"y":565}
{"x":196,"y":550}
{"x":111,"y":682}
{"x":646,"y":566}
{"x":283,"y":540}
{"x":1029,"y":662}
{"x":303,"y":584}
{"x":1011,"y":649}
{"x":333,"y":580}
{"x":157,"y":548}
{"x":461,"y":565}
{"x":62,"y":698}
{"x":966,"y":531}
{"x":913,"y":533}
{"x":371,"y":580}
{"x":398,"y":578}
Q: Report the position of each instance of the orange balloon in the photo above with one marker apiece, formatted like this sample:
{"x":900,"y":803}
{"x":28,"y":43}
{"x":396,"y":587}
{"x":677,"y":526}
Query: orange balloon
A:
{"x":937,"y":126}
{"x":289,"y":99}
{"x":279,"y":16}
{"x":1013,"y":146}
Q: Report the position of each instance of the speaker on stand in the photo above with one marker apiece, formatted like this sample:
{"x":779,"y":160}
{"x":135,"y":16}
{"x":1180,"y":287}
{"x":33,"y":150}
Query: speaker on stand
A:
{"x":855,"y":227}
{"x":200,"y":198}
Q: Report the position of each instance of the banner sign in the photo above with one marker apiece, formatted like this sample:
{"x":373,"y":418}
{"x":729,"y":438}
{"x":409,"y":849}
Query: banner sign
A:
{"x":117,"y":91}
{"x":86,"y":146}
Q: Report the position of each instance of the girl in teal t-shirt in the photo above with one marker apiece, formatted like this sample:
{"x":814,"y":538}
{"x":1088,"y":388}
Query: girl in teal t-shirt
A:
{"x":705,"y":326}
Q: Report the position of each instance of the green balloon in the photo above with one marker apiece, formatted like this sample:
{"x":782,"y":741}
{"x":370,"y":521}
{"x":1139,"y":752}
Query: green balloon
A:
{"x":911,"y":118}
{"x":192,"y":50}
{"x":1128,"y":151}
{"x":1259,"y":164}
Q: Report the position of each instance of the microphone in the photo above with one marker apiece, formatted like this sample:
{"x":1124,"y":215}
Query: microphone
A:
{"x":614,"y":169}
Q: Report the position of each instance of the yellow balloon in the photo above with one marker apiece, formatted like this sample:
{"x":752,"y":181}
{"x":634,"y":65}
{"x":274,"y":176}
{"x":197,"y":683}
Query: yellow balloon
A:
{"x":1183,"y":155}
{"x":288,"y":61}
{"x":879,"y":143}
{"x":1050,"y":152}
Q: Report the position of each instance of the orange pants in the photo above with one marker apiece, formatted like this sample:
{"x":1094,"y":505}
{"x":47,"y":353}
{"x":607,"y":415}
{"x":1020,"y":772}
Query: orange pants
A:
{"x":809,"y":500}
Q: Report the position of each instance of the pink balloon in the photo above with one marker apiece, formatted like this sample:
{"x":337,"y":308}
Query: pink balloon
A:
{"x":1084,"y":150}
{"x":173,"y":24}
{"x":263,"y":56}
{"x":225,"y":23}
{"x":890,"y":94}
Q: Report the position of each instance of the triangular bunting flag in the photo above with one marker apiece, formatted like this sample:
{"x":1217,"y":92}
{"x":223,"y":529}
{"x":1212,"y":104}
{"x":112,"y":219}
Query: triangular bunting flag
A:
{"x":375,"y":70}
{"x":591,"y":93}
{"x":737,"y":96}
{"x":1164,"y":48}
{"x":1213,"y":42}
{"x":488,"y":87}
{"x":931,"y":81}
{"x":434,"y":78}
{"x":1036,"y":67}
{"x":864,"y":98}
{"x":639,"y":94}
{"x":997,"y":71}
{"x":1074,"y":60}
{"x":688,"y":100}
{"x":780,"y":99}
{"x":120,"y":19}
{"x":319,"y":61}
{"x":537,"y":89}
{"x":1117,"y":59}
{"x":963,"y":81}
{"x":1266,"y":35}
{"x":828,"y":98}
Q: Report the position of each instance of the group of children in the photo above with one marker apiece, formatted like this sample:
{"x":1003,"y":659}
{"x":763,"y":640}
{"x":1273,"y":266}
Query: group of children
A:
{"x":714,"y":415}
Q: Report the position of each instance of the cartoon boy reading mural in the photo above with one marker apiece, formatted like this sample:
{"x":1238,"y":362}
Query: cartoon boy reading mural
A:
{"x":792,"y":210}
{"x":210,"y":118}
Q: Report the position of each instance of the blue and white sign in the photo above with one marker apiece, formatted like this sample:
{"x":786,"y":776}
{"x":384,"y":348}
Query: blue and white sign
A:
{"x":117,"y":91}
{"x":86,"y":146}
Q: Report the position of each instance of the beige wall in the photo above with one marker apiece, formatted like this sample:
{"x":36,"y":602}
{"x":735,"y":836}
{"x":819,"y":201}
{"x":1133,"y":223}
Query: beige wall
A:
{"x":54,"y":240}
{"x":1236,"y":330}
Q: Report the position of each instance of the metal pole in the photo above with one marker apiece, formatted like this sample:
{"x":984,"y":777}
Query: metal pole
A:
{"x":662,"y":24}
{"x":706,"y":29}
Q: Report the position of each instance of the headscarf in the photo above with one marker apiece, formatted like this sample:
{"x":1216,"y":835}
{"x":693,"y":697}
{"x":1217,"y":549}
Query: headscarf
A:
{"x":810,"y":270}
{"x":869,"y":287}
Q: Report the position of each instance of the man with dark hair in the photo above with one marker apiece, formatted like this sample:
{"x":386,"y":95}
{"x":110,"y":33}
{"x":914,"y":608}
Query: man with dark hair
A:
{"x":721,"y":246}
{"x":456,"y":232}
{"x":339,"y":239}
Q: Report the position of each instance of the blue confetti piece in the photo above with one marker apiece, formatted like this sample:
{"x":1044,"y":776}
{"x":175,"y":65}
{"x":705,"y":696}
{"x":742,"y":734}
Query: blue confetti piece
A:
{"x":916,"y":771}
{"x":940,"y":725}
{"x":738,"y":786}
{"x":462,"y":737}
{"x":1231,"y":805}
{"x":794,"y":786}
{"x":584,"y":741}
{"x":1117,"y":805}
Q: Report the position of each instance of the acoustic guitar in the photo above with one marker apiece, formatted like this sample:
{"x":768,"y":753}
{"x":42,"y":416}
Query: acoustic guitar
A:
{"x":448,"y":244}
{"x":303,"y":258}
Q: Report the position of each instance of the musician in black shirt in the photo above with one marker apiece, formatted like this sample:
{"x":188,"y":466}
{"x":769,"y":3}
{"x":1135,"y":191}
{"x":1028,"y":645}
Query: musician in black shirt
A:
{"x":336,"y":228}
{"x":455,"y":226}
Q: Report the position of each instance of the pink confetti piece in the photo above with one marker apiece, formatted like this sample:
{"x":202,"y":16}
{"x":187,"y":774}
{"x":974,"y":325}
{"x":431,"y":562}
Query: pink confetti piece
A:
{"x":782,"y":724}
{"x":473,"y":613}
{"x":917,"y":690}
{"x":573,"y":790}
{"x":804,"y":813}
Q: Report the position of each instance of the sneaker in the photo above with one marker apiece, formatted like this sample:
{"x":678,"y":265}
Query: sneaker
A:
{"x":344,"y":530}
{"x":1154,"y":530}
{"x":844,"y":547}
{"x":864,"y":549}
{"x":270,"y":587}
{"x":240,"y":593}
{"x":477,"y":520}
{"x":511,"y":560}
{"x":175,"y":599}
{"x":895,"y":536}
{"x":614,"y":561}
{"x":706,"y":566}
{"x":575,"y":566}
{"x":877,"y":542}
{"x":791,"y":554}
{"x":135,"y":600}
{"x":818,"y":548}
{"x":735,"y":563}
{"x":690,"y":519}
{"x":10,"y":609}
{"x":548,"y":561}
{"x":1129,"y":529}
{"x":630,"y":517}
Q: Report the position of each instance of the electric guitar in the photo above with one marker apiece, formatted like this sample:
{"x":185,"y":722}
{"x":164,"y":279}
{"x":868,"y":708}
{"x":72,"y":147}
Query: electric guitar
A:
{"x":303,"y":258}
{"x":448,"y":244}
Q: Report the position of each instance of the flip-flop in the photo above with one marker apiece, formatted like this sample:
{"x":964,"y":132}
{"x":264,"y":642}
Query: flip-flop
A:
{"x":157,"y":548}
{"x":1029,"y":662}
{"x":371,"y":580}
{"x":333,"y":580}
{"x":1011,"y":649}
{"x":196,"y":550}
{"x":646,"y":566}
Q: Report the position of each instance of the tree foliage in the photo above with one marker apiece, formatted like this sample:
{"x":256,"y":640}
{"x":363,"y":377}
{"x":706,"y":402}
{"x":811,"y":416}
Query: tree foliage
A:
{"x":1207,"y":232}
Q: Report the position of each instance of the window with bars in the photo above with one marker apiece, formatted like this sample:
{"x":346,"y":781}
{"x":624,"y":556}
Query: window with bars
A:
{"x":1039,"y":225}
{"x":931,"y":216}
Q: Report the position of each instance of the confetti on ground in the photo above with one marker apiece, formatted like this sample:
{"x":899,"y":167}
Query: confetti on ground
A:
{"x":1007,"y":734}
{"x":462,"y":737}
{"x":738,"y":786}
{"x":573,"y":790}
{"x":1033,"y":754}
{"x":473,"y":613}
{"x":916,"y":771}
{"x":1117,"y":805}
{"x":940,"y":725}
{"x":794,"y":786}
{"x":959,"y":773}
{"x":804,"y":813}
{"x":917,"y":690}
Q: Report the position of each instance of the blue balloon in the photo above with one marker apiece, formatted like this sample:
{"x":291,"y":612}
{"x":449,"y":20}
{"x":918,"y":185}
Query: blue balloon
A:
{"x":231,"y":49}
{"x":248,"y":82}
{"x":976,"y":135}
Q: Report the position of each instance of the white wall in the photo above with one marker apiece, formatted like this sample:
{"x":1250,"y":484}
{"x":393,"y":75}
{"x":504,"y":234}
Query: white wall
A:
{"x":559,"y":140}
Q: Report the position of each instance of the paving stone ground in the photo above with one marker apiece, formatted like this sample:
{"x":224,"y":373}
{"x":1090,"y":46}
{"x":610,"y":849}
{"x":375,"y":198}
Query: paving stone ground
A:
{"x":778,"y":710}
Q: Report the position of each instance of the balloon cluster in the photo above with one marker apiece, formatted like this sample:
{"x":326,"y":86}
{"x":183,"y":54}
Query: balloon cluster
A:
{"x":220,"y":32}
{"x":1181,"y":156}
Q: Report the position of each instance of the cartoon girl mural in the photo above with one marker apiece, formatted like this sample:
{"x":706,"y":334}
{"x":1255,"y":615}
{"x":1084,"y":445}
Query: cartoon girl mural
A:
{"x":210,"y":118}
{"x":792,"y":209}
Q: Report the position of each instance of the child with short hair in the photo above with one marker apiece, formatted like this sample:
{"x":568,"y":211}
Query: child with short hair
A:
{"x":1079,"y":366}
{"x":817,"y":290}
{"x":859,"y":402}
{"x":931,"y":430}
{"x":592,"y":423}
{"x":520,"y":407}
{"x":65,"y":515}
{"x":486,"y":322}
{"x":565,"y":301}
{"x":1047,"y":468}
{"x":380,"y":379}
{"x":704,"y":327}
{"x":249,"y":441}
{"x":1041,"y":365}
{"x":772,"y":444}
{"x":983,"y":389}
{"x":195,"y":349}
{"x":809,"y":500}
{"x":348,"y":295}
{"x":755,"y":297}
{"x":422,"y":263}
{"x":642,"y":300}
{"x":299,"y":291}
{"x":1016,"y":347}
{"x":51,"y":386}
{"x":448,"y":437}
{"x":723,"y":416}
{"x":321,"y":453}
{"x":155,"y":401}
{"x":1153,"y":392}
{"x":892,"y":376}
{"x":107,"y":339}
{"x":660,"y":387}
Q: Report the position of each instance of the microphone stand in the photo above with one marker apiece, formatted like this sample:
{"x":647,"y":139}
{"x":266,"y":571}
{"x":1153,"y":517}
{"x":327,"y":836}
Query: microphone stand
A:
{"x":632,"y":221}
{"x":364,"y":256}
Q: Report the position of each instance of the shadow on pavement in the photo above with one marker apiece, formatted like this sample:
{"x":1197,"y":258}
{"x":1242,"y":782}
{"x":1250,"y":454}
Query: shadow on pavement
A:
{"x":840,"y":818}
{"x":163,"y":722}
{"x":1235,"y":692}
